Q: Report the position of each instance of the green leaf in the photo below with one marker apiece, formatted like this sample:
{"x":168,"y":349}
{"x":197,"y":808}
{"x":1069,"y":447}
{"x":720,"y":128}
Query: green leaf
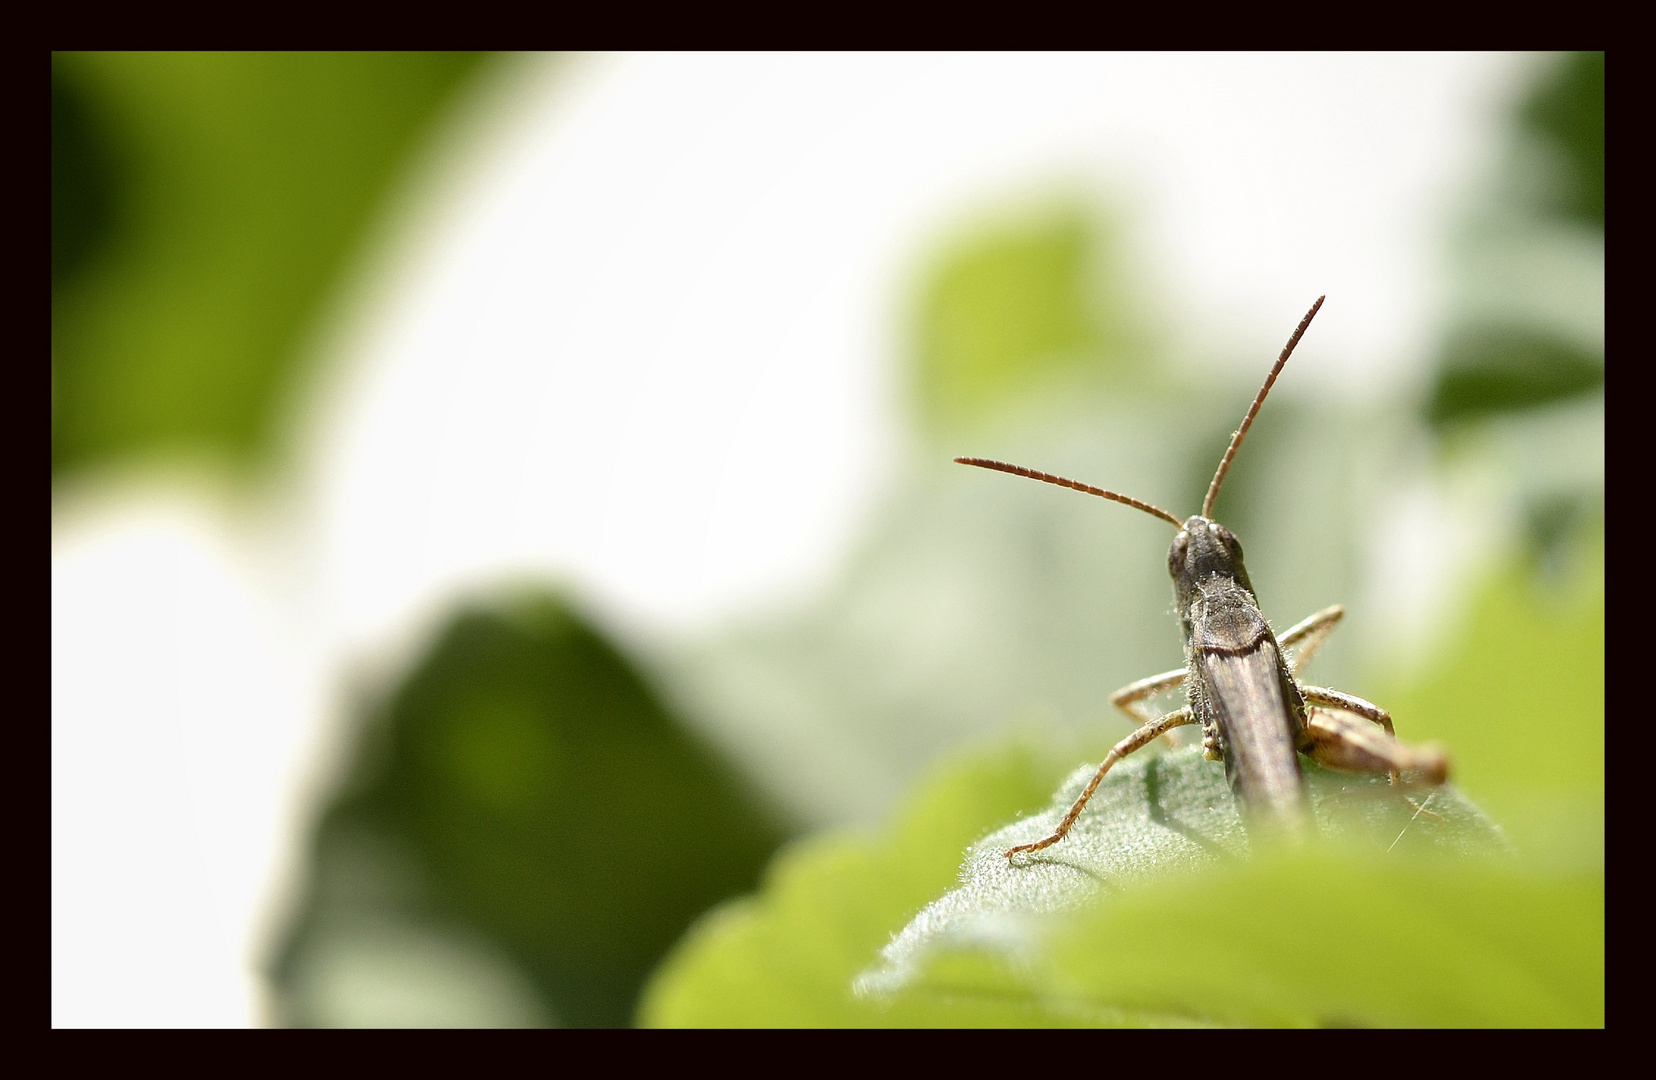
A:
{"x":1012,"y":306}
{"x":1300,"y":938}
{"x":787,"y":956}
{"x":1152,"y":815}
{"x":1370,"y":931}
{"x":1492,"y":371}
{"x":1147,"y":915}
{"x":1150,"y":914}
{"x":204,"y":205}
{"x":1519,"y":702}
{"x":521,"y":812}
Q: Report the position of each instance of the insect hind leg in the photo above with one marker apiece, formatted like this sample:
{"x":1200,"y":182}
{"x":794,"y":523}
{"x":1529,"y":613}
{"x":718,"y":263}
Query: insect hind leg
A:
{"x":1339,"y":741}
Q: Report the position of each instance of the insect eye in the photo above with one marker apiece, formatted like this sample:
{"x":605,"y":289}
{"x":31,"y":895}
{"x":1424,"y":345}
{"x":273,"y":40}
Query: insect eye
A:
{"x":1232,"y":544}
{"x":1176,"y":554}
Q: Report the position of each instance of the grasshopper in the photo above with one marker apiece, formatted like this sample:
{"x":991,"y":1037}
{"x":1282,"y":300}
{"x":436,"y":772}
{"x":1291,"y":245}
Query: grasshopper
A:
{"x":1240,"y":685}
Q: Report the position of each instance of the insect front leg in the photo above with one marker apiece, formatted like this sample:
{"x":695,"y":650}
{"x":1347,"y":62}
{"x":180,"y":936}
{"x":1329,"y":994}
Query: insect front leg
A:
{"x":1138,"y":739}
{"x":1312,"y":631}
{"x":1129,"y":698}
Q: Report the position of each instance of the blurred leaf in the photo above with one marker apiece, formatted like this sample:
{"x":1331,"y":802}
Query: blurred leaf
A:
{"x":1567,"y":110}
{"x":1153,"y":815}
{"x":1011,"y":306}
{"x":1304,"y":938}
{"x":1558,"y":526}
{"x":786,"y":957}
{"x":1519,"y":702}
{"x":1100,"y":933}
{"x":1147,"y":915}
{"x":204,"y":205}
{"x":84,"y":179}
{"x":1497,"y":370}
{"x":523,"y":796}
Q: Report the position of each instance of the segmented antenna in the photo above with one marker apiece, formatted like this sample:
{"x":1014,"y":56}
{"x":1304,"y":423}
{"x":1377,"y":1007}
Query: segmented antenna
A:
{"x":1259,"y":399}
{"x":1019,"y":470}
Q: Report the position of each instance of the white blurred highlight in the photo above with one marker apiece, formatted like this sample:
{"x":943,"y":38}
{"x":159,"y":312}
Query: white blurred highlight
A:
{"x":180,"y":710}
{"x":656,"y":356}
{"x":648,"y":349}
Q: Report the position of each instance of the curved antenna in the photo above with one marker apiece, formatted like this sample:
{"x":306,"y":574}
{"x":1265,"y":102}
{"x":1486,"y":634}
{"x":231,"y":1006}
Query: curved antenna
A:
{"x":1259,"y":399}
{"x":1019,"y":470}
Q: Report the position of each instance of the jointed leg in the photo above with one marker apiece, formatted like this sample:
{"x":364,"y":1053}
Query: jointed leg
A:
{"x":1335,"y":699}
{"x":1322,"y":695}
{"x":1130,"y":695}
{"x":1312,"y":630}
{"x":1129,"y":698}
{"x":1339,"y":741}
{"x":1138,"y":739}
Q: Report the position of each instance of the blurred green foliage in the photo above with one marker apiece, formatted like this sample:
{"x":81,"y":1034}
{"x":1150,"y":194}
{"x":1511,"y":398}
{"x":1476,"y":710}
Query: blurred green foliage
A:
{"x":787,"y":956}
{"x":1487,"y":370}
{"x":1490,"y":371}
{"x":84,"y":179}
{"x":523,"y":786}
{"x":521,"y":799}
{"x":1520,"y":703}
{"x":1155,"y":814}
{"x":1146,"y":926}
{"x":1567,"y":112}
{"x":1331,"y":939}
{"x":204,"y":206}
{"x":1365,"y":934}
{"x":1317,"y":938}
{"x":1014,"y":304}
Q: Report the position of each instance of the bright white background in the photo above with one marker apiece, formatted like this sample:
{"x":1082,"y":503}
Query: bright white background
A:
{"x":634,"y":329}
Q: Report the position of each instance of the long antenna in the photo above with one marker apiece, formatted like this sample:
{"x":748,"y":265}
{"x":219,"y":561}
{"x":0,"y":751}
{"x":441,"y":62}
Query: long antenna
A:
{"x":1259,"y":399}
{"x":1019,"y":470}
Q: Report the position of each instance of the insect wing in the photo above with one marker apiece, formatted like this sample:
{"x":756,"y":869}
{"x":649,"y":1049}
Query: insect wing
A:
{"x":1250,"y":701}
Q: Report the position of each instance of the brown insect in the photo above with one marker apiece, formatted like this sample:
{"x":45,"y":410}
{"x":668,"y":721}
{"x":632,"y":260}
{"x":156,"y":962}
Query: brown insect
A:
{"x":1256,"y":715}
